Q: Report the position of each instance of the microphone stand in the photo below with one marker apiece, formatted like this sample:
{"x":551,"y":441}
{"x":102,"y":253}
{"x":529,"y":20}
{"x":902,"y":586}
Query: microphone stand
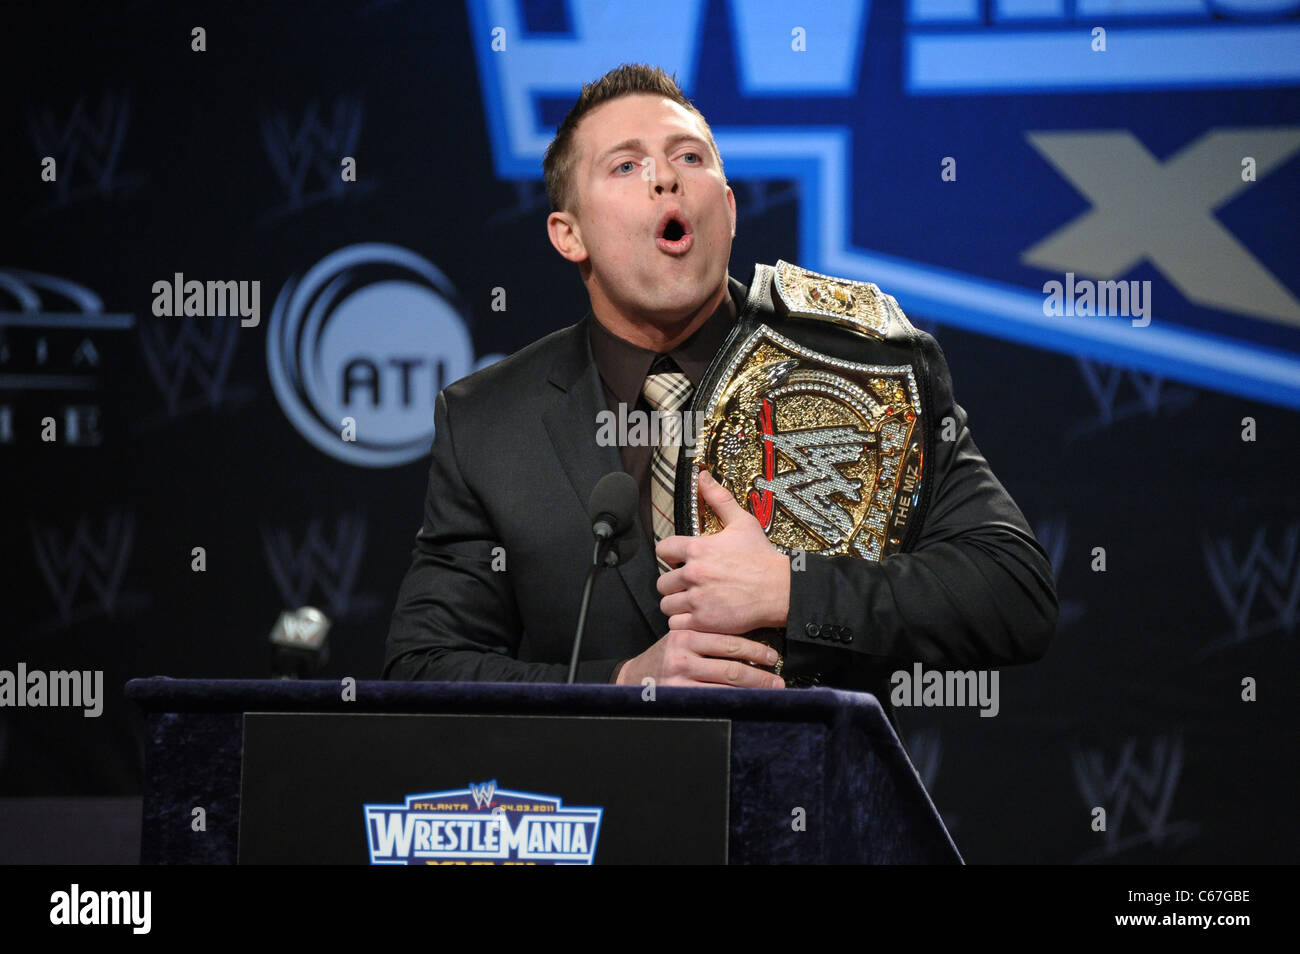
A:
{"x":598,"y":560}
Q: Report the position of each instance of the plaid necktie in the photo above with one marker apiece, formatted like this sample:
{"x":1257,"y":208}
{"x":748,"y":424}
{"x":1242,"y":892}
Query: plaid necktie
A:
{"x":668,"y":391}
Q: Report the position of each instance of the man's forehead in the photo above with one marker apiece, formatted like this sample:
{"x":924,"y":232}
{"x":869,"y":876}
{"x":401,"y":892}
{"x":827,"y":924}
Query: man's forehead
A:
{"x":652,"y":118}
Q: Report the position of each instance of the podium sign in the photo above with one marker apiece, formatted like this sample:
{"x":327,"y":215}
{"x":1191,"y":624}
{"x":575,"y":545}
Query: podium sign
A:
{"x":386,"y":788}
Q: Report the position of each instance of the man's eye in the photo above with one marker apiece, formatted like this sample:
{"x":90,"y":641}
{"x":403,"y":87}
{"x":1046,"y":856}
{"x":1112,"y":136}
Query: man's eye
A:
{"x":627,"y":163}
{"x":695,"y":154}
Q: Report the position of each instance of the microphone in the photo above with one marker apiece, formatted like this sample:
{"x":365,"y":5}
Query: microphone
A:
{"x":612,"y":510}
{"x":612,"y":505}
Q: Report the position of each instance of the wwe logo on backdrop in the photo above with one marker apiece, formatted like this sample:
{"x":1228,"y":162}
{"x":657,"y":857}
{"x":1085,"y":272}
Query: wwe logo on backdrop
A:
{"x":483,"y":792}
{"x":319,"y":564}
{"x":99,"y":560}
{"x":315,"y":146}
{"x":198,"y":351}
{"x":1259,"y":575}
{"x":1147,"y":394}
{"x":86,"y":146}
{"x":1053,"y":534}
{"x":1133,"y":789}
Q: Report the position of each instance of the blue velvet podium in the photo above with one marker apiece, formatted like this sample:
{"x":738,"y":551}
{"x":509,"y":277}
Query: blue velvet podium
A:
{"x":831,"y":753}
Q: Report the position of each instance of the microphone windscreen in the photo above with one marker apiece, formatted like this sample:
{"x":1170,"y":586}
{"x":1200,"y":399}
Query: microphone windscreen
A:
{"x":615,"y":494}
{"x":625,"y":547}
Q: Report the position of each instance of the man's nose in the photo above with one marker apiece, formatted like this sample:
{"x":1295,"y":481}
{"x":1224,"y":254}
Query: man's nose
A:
{"x":665,"y":179}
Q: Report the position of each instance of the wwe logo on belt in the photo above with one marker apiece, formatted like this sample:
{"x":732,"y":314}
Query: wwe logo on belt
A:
{"x":806,"y":490}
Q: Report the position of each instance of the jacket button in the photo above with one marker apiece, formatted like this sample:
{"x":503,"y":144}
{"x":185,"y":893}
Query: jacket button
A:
{"x":813,"y":630}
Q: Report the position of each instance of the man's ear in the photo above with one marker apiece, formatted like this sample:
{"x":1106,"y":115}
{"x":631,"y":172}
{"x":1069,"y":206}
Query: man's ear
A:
{"x":731,"y":201}
{"x":566,"y":235}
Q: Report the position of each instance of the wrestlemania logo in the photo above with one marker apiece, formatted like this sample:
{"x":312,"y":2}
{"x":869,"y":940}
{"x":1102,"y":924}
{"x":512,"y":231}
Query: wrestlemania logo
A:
{"x":482,"y":825}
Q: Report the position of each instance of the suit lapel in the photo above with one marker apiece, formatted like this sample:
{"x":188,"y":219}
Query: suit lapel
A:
{"x":571,"y":424}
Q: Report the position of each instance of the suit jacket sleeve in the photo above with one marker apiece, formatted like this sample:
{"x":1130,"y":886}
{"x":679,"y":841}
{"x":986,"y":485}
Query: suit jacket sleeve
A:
{"x":974,"y":591}
{"x":456,"y":617}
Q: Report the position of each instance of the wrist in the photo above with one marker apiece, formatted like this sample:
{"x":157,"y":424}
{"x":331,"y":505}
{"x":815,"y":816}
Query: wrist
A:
{"x":779,"y":611}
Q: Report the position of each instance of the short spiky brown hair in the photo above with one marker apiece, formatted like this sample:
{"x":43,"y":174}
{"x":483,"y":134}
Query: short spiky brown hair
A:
{"x":557,"y":165}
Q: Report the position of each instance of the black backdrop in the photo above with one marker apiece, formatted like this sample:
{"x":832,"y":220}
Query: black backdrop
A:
{"x":1137,"y":706}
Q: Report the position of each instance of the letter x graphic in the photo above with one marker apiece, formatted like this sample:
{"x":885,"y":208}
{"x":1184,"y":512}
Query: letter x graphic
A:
{"x":1164,"y":213}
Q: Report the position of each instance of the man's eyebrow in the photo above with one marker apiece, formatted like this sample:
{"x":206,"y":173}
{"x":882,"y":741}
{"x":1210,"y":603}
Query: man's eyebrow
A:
{"x":639,"y":146}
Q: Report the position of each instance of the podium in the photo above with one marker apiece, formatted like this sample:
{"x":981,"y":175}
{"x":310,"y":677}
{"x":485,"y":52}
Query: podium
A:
{"x":439,"y":772}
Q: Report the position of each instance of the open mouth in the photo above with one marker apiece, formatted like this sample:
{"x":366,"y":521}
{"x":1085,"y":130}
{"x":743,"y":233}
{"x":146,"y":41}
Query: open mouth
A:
{"x":674,"y":235}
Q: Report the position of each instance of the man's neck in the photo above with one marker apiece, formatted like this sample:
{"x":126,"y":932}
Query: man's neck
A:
{"x":659,"y":337}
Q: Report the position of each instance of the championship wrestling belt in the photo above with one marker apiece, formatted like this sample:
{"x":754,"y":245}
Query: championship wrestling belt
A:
{"x":811,"y":416}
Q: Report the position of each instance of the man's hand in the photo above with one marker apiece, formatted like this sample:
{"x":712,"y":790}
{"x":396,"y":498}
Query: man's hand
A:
{"x":684,"y":657}
{"x":733,"y":581}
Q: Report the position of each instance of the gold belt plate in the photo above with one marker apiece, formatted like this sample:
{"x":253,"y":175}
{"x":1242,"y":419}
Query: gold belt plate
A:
{"x":825,"y":453}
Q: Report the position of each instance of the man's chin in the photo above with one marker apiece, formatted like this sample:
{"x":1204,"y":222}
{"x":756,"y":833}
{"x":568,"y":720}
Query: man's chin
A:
{"x":679,"y":289}
{"x":670,"y":306}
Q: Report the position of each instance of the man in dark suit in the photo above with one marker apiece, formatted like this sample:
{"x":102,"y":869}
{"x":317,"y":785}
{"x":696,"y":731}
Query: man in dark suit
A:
{"x":641,"y":205}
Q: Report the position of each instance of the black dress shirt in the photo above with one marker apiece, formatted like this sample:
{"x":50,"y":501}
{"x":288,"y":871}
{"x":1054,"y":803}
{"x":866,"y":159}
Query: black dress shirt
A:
{"x":623,"y":368}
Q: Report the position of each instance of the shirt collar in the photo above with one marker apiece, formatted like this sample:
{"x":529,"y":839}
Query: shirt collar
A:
{"x":623,"y":366}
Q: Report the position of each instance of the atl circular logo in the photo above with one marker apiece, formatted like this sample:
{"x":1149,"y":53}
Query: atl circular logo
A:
{"x":359,"y":348}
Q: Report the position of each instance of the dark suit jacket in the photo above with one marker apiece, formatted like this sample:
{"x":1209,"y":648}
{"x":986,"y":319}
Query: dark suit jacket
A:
{"x":515,"y":459}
